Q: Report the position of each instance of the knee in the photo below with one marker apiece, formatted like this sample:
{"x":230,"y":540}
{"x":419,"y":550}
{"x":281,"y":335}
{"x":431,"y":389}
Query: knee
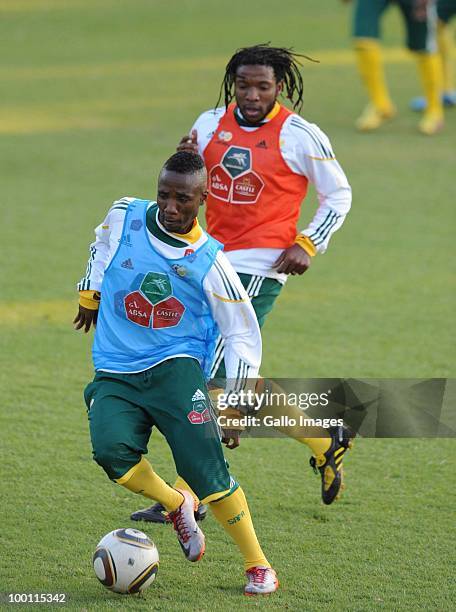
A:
{"x":218,"y":496}
{"x":114,"y":457}
{"x":105,"y":453}
{"x":209,"y":484}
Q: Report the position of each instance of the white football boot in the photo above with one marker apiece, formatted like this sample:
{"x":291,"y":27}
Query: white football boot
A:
{"x":261,"y":581}
{"x":190,"y":536}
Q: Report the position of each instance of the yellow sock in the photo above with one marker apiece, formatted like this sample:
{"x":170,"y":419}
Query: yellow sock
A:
{"x":232,"y":512}
{"x":316,"y":438}
{"x":142,"y":479}
{"x":430,"y":68}
{"x":445,"y":42}
{"x":181,"y":484}
{"x":370,"y":65}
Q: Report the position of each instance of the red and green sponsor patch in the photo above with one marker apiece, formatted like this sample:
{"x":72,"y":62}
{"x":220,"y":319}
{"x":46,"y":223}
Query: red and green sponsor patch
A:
{"x":152,"y":304}
{"x":233,"y":180}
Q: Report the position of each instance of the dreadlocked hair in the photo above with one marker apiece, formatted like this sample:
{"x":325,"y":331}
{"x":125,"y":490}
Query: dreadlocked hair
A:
{"x":185,"y":162}
{"x":283,"y":61}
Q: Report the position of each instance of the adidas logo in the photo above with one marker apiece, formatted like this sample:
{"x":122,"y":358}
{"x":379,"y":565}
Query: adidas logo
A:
{"x":198,"y":395}
{"x":127,"y":264}
{"x":262,"y":145}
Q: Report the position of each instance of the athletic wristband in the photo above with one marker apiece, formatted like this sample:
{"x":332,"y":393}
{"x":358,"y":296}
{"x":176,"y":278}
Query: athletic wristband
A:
{"x":89,"y":299}
{"x":306,"y":243}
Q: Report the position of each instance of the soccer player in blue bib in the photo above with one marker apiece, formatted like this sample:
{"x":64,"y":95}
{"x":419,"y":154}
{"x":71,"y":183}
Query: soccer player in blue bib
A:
{"x":161,"y":294}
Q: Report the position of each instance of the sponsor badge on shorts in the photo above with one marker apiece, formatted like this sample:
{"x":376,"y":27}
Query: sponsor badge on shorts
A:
{"x":199,"y":413}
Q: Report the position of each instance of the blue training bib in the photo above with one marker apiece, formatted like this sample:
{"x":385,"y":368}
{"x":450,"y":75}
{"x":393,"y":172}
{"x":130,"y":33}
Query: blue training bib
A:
{"x":153,"y":308}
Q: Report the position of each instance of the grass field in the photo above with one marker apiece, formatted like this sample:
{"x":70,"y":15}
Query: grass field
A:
{"x":94,"y":96}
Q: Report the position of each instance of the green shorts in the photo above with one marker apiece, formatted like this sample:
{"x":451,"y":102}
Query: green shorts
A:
{"x":420,"y":34}
{"x":123,"y":408}
{"x":446,"y":9}
{"x":263,"y":293}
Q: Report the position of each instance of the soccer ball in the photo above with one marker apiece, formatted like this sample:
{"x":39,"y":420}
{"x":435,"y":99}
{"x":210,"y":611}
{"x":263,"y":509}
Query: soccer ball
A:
{"x":126,"y":561}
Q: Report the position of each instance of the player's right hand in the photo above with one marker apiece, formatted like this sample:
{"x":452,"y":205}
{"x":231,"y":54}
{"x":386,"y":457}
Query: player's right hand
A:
{"x":85,"y":318}
{"x":189,"y":142}
{"x":230,"y":437}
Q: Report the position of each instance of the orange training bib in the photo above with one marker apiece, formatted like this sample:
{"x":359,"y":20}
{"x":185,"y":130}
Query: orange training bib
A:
{"x":254,"y":197}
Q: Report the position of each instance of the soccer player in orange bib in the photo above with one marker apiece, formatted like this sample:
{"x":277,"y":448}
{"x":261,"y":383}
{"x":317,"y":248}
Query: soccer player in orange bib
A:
{"x":261,"y":157}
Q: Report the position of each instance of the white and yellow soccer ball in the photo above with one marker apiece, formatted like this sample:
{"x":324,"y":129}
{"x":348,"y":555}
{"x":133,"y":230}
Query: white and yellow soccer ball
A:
{"x":126,"y":561}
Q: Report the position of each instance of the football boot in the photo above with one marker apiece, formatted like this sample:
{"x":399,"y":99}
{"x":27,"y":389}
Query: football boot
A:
{"x":158,"y":514}
{"x":431,"y":123}
{"x":372,"y":118}
{"x":261,"y":581}
{"x":329,"y":464}
{"x":189,"y":535}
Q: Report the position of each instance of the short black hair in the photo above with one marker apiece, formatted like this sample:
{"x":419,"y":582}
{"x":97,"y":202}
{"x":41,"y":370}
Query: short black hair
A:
{"x":185,"y":162}
{"x":282,"y":60}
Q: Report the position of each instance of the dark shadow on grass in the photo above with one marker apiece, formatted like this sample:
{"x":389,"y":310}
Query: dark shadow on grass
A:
{"x":231,"y":589}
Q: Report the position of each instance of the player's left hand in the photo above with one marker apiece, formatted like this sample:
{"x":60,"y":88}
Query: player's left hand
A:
{"x":85,"y":318}
{"x":293,"y":260}
{"x":230,"y":437}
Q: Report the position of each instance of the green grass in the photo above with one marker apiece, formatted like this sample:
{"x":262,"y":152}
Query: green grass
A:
{"x":95,"y":94}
